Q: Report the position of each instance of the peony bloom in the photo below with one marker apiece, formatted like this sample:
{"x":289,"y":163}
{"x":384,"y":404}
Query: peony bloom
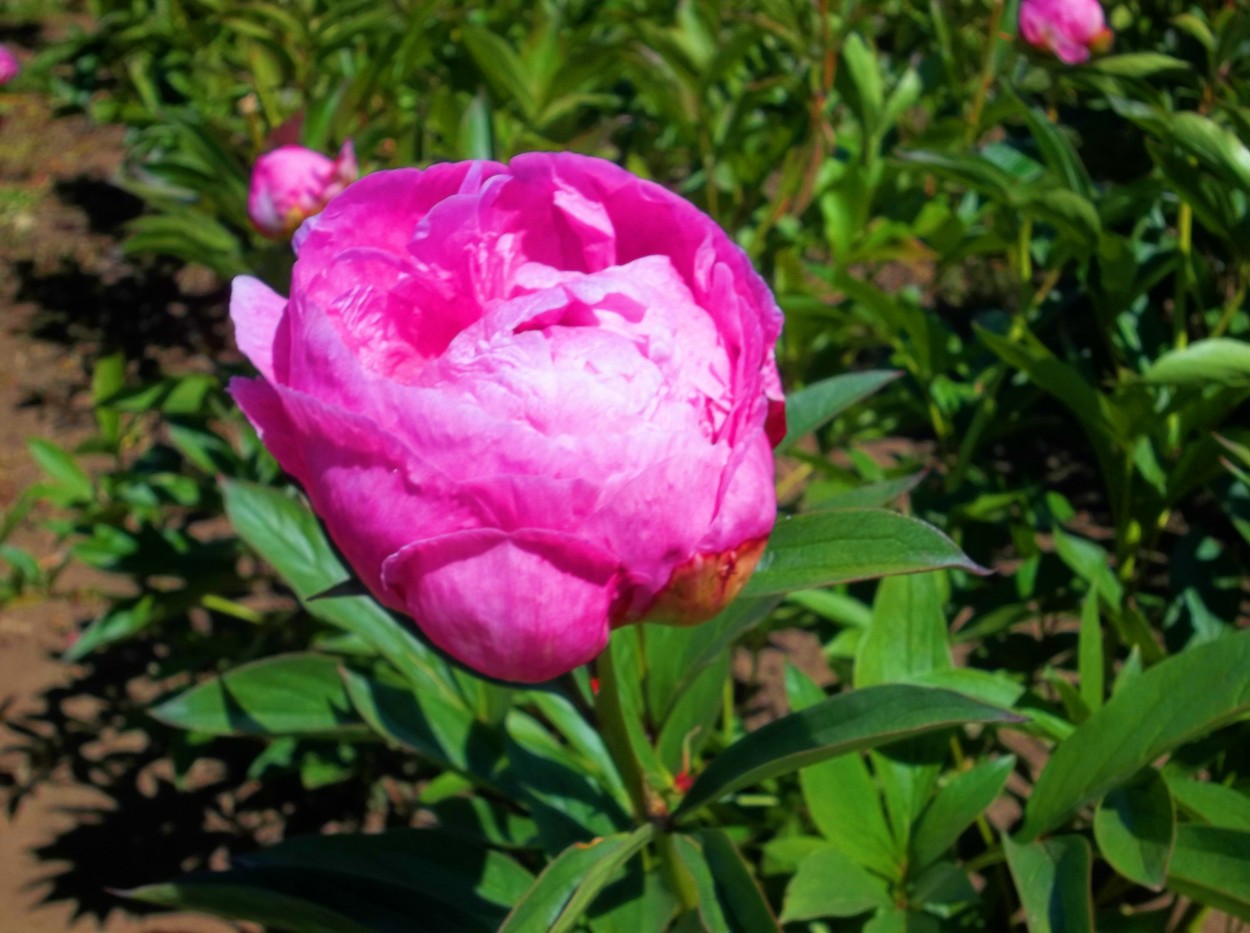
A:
{"x":530,"y":402}
{"x":1071,"y":29}
{"x":10,"y":67}
{"x":292,"y":183}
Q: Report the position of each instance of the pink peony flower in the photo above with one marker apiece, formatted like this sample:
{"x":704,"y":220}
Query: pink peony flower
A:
{"x":1068,"y":28}
{"x":530,"y":402}
{"x":10,"y":67}
{"x":292,"y":183}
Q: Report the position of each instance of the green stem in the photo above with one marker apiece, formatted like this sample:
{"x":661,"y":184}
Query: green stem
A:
{"x":1184,"y":245}
{"x":1232,"y":305}
{"x":987,"y":71}
{"x":610,"y":715}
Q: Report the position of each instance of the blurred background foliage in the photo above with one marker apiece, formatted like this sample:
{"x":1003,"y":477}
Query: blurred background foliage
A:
{"x":1052,"y":263}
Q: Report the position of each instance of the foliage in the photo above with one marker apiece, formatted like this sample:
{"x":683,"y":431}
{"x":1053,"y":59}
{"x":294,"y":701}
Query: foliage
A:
{"x":1040,"y":272}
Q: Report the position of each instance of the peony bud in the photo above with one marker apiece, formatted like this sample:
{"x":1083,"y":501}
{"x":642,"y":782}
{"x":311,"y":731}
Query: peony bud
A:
{"x":1071,"y":29}
{"x":292,"y":183}
{"x":10,"y":67}
{"x":530,"y":402}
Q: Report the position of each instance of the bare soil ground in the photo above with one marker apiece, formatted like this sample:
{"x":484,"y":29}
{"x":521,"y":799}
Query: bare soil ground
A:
{"x":63,"y":283}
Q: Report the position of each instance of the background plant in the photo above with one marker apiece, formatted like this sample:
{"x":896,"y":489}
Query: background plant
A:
{"x":1040,"y":272}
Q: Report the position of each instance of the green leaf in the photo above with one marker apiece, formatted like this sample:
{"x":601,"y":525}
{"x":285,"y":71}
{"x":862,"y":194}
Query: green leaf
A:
{"x":956,"y":806}
{"x":907,"y":637}
{"x":898,"y":920}
{"x":1219,"y":360}
{"x":352,"y":882}
{"x":61,"y":468}
{"x":862,"y":84}
{"x":1212,"y":865}
{"x":813,"y":406}
{"x":1135,"y":827}
{"x":1180,"y":698}
{"x":1053,"y":878}
{"x":180,"y":395}
{"x":830,"y":883}
{"x":1138,"y":64}
{"x":705,"y":646}
{"x":289,"y":538}
{"x":569,"y":884}
{"x":1215,"y":147}
{"x":501,"y":67}
{"x":729,"y":898}
{"x":427,"y":722}
{"x":107,"y":378}
{"x":1211,"y":803}
{"x":824,"y":548}
{"x":842,"y":796}
{"x":124,"y":620}
{"x":639,"y":901}
{"x":290,"y":694}
{"x":1091,"y":666}
{"x":462,"y":875}
{"x":274,"y":899}
{"x":858,"y":719}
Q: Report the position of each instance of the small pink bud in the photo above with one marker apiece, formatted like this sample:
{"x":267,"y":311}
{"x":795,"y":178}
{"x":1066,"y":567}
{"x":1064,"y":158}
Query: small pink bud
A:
{"x":292,"y":183}
{"x":1070,"y":29}
{"x":10,"y":67}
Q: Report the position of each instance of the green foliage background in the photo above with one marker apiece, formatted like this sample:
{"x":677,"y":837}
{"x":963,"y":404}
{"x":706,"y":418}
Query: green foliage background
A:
{"x":1037,"y":272}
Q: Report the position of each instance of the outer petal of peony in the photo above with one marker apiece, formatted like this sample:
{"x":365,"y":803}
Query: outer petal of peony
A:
{"x":523,"y":606}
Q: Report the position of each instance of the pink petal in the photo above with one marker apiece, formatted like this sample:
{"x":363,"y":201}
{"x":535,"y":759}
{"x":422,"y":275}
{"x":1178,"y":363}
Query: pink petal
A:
{"x":524,"y":606}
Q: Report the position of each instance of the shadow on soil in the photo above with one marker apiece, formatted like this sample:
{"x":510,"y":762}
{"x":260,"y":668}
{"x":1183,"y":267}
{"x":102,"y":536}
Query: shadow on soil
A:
{"x":146,"y":814}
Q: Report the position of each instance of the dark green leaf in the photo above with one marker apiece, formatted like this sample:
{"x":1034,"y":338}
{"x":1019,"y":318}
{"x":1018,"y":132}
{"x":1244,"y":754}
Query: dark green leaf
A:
{"x":824,"y":548}
{"x":858,"y":719}
{"x":569,"y":884}
{"x":1053,"y":878}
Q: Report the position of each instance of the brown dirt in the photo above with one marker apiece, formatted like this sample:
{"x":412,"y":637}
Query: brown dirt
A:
{"x":53,"y":253}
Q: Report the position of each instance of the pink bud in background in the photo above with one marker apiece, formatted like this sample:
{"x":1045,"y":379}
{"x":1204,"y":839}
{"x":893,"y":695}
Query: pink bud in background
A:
{"x":530,"y":402}
{"x":292,"y":183}
{"x":1071,"y":29}
{"x":10,"y":67}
